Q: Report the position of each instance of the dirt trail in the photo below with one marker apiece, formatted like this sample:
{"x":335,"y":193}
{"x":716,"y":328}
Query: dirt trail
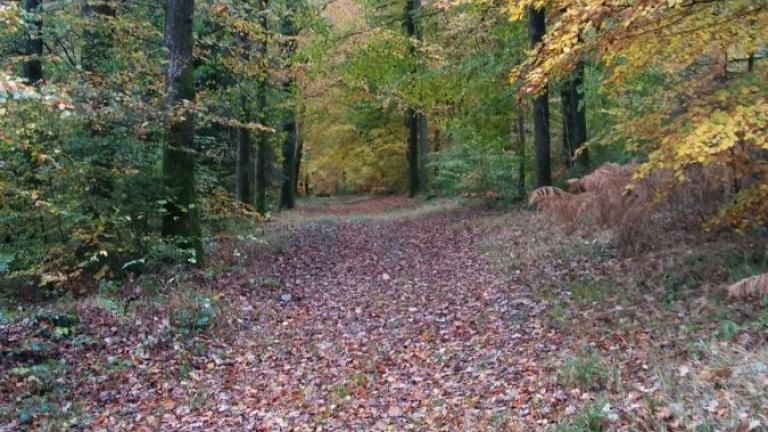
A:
{"x":392,"y":325}
{"x":374,"y":315}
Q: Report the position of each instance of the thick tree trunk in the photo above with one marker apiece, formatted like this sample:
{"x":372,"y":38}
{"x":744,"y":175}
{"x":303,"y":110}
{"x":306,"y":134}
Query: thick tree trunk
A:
{"x":415,"y":120}
{"x":33,"y":67}
{"x":181,"y":218}
{"x":541,"y":137}
{"x":262,"y":155}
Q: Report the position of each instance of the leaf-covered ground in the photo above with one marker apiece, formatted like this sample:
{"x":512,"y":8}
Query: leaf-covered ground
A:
{"x":372,"y":314}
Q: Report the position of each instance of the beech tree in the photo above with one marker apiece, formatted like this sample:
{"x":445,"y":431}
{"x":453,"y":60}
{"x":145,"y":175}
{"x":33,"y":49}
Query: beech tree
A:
{"x":415,"y":119}
{"x":262,"y":154}
{"x":290,"y":125}
{"x":541,"y":138}
{"x":181,"y":219}
{"x":574,"y":119}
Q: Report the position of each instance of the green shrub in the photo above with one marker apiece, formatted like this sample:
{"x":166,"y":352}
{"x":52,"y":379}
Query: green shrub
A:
{"x":192,"y":314}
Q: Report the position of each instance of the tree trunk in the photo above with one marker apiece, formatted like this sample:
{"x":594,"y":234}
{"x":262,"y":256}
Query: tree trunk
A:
{"x":412,"y":122}
{"x":246,"y":166}
{"x":287,"y":194}
{"x":520,"y":155}
{"x":574,"y":120}
{"x":579,"y":116}
{"x":181,"y":218}
{"x":288,"y":189}
{"x":567,"y":112}
{"x":245,"y":169}
{"x":32,"y":68}
{"x":423,"y":150}
{"x":261,"y":99}
{"x":299,"y":151}
{"x":541,"y":138}
{"x":415,"y":120}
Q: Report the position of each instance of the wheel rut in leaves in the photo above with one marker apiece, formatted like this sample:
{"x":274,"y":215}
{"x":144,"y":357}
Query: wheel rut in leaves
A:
{"x":391,"y":323}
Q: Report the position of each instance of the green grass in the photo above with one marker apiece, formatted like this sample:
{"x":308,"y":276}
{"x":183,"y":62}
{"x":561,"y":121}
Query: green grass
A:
{"x":586,"y":371}
{"x":593,"y":417}
{"x":590,"y":291}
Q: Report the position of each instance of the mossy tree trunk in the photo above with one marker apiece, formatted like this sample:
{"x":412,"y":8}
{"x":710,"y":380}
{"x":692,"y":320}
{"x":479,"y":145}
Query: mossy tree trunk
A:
{"x":181,"y":217}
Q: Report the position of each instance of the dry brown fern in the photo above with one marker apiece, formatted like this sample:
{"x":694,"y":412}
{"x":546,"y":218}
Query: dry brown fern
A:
{"x":755,"y":286}
{"x":545,"y":193}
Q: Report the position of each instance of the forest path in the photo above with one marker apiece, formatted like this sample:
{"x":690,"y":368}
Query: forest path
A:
{"x":394,"y":323}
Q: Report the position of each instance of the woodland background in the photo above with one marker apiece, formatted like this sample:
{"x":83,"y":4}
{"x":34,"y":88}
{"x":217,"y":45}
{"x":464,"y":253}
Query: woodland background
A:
{"x":150,"y":145}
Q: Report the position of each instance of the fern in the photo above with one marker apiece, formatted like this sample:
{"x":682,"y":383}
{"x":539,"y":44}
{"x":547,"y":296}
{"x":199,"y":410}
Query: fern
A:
{"x":751,"y":287}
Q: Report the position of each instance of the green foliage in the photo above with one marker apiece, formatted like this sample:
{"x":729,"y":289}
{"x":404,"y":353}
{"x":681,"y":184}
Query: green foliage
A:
{"x":475,"y":170}
{"x":193,"y":314}
{"x":592,"y":418}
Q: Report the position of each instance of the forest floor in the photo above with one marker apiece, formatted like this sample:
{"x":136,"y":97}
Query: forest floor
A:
{"x":387,"y":314}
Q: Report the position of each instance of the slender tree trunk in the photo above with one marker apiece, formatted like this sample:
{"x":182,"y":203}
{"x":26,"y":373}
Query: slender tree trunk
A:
{"x":520,"y":155}
{"x":412,"y":122}
{"x":567,"y":112}
{"x":245,"y":169}
{"x":423,"y":150}
{"x":246,"y":166}
{"x":299,"y":150}
{"x":262,"y":155}
{"x":32,"y":68}
{"x":579,"y":116}
{"x":181,"y":218}
{"x":574,"y":120}
{"x":415,"y":120}
{"x":287,"y":194}
{"x":541,"y":137}
{"x":288,"y":187}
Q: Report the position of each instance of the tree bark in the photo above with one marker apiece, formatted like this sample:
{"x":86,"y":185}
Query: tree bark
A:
{"x":288,"y":186}
{"x":262,"y":155}
{"x":416,"y":121}
{"x":32,"y":69}
{"x":541,"y":137}
{"x":181,"y":218}
{"x":423,"y":150}
{"x":245,"y":168}
{"x":299,"y":151}
{"x":287,"y":194}
{"x":245,"y":172}
{"x":574,"y":120}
